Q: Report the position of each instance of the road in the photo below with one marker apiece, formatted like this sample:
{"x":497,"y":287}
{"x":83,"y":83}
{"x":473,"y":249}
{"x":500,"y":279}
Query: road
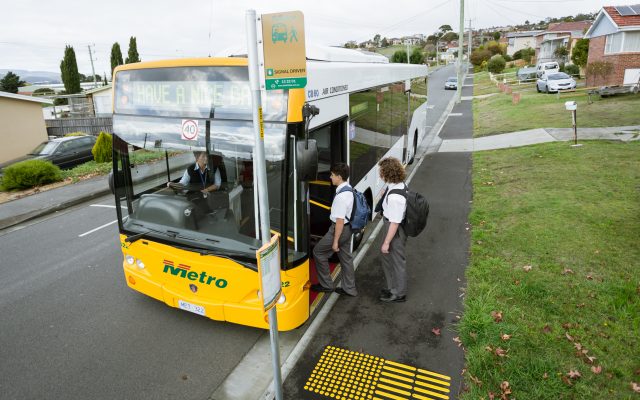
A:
{"x":72,"y":329}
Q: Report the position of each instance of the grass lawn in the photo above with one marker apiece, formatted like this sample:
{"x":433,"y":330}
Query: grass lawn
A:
{"x":552,"y":305}
{"x":497,"y":114}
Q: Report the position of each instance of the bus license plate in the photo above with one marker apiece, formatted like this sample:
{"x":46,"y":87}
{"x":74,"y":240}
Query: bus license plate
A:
{"x":194,"y":308}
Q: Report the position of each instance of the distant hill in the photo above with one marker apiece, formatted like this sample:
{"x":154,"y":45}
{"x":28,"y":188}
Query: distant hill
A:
{"x":33,"y":76}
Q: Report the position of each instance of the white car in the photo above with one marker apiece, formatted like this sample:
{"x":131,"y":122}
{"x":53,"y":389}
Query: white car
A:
{"x":555,"y":82}
{"x":451,"y":83}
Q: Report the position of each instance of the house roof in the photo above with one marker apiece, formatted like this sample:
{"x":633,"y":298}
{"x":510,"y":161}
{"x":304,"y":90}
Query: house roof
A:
{"x":522,"y":34}
{"x":100,"y":89}
{"x":25,"y":98}
{"x":574,"y":26}
{"x":622,"y":20}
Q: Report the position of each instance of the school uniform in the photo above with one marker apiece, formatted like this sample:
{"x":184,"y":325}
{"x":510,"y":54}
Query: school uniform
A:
{"x":394,"y":264}
{"x":340,"y":208}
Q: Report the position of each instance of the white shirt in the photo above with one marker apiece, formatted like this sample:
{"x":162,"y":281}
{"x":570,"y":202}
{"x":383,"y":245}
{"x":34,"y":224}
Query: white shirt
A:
{"x":394,"y":205}
{"x":186,"y":179}
{"x":342,"y":204}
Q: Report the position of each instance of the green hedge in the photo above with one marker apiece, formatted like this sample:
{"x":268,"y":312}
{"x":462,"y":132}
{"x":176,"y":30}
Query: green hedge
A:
{"x":30,"y":173}
{"x":102,"y":151}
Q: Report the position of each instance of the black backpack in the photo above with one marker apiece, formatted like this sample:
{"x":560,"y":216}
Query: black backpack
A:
{"x":416,"y":213}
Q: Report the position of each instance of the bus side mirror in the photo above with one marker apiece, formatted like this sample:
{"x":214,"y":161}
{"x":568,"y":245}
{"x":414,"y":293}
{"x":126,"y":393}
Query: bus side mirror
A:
{"x":307,"y":160}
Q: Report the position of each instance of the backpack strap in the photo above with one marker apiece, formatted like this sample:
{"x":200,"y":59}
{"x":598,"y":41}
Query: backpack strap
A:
{"x":350,"y":189}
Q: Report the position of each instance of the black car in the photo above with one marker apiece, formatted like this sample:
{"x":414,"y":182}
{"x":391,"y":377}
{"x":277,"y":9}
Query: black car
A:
{"x":65,"y":152}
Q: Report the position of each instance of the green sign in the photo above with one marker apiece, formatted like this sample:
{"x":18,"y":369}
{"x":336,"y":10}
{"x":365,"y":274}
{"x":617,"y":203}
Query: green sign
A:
{"x":285,"y":83}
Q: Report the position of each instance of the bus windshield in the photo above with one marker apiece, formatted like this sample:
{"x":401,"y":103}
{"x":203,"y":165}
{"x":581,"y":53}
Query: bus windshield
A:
{"x":185,"y":158}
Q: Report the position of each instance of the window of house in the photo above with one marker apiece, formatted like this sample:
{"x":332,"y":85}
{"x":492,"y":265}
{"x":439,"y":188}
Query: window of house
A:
{"x":631,"y":41}
{"x":614,"y":43}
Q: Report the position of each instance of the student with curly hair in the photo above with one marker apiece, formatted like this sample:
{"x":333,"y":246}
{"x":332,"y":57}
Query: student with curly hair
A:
{"x":393,"y":207}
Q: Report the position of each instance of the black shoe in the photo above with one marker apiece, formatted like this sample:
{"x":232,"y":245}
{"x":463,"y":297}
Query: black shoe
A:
{"x":341,"y":291}
{"x":385,"y":293}
{"x":316,"y":287}
{"x":393,"y":299}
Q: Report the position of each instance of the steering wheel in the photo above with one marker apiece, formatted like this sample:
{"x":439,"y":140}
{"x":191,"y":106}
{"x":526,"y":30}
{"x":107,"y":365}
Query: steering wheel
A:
{"x":177,"y":187}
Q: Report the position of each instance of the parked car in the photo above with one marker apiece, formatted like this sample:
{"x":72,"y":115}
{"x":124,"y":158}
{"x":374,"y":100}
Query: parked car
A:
{"x":451,"y":83}
{"x":555,"y":82}
{"x":547,"y":68}
{"x":527,"y":74}
{"x":65,"y":152}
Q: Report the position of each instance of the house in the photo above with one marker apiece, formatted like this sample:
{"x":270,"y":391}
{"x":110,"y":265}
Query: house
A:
{"x":614,"y":38}
{"x":517,"y":41}
{"x":22,"y":127}
{"x":559,"y":34}
{"x":395,"y":41}
{"x":101,"y":100}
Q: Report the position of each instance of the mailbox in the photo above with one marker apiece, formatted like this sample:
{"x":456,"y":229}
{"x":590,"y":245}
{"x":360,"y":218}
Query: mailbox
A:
{"x":571,"y":105}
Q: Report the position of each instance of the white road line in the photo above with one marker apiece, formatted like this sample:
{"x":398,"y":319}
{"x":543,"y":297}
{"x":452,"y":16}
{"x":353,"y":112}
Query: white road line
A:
{"x":98,"y":228}
{"x":106,"y":206}
{"x":455,"y":114}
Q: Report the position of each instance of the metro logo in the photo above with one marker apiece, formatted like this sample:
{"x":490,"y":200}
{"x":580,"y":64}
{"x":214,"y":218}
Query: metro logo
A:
{"x":184,"y":271}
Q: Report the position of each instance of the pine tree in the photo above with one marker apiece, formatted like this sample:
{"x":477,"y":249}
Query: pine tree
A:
{"x":116,"y":56}
{"x":132,"y":55}
{"x":10,"y":83}
{"x":105,"y":82}
{"x":69,"y":71}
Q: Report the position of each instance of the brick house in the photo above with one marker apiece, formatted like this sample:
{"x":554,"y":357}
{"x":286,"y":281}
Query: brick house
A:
{"x":559,"y":34}
{"x":615,"y":39}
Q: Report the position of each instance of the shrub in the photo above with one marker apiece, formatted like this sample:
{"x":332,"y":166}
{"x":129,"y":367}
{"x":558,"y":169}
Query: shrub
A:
{"x":30,"y":173}
{"x":572,"y":69}
{"x":496,"y":64}
{"x":479,"y":56}
{"x":507,"y":57}
{"x":102,"y":149}
{"x":76,"y":134}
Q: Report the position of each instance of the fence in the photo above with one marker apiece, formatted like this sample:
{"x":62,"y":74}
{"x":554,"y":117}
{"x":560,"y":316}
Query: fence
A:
{"x":91,"y":126}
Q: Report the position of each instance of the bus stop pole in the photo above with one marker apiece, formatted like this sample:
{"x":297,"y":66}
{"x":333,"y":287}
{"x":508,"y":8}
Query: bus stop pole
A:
{"x":260,"y":173}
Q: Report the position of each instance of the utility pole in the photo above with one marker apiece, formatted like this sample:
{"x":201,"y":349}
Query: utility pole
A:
{"x":437,"y":53}
{"x":460,"y":50}
{"x":469,"y":46}
{"x":93,"y":71}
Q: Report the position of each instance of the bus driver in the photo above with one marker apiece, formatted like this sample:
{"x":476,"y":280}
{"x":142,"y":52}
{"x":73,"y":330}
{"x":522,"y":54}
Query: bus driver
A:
{"x":200,"y":174}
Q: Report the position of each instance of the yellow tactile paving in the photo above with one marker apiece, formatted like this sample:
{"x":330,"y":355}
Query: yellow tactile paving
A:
{"x":342,"y":374}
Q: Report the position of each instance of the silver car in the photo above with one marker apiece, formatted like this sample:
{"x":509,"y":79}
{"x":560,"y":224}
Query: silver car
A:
{"x":555,"y":82}
{"x":451,"y":83}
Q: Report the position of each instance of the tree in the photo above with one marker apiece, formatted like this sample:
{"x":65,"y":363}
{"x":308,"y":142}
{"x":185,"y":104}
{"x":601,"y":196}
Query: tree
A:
{"x":376,"y":39}
{"x":105,"y":82}
{"x":417,"y":57}
{"x":527,"y":53}
{"x":580,"y":53}
{"x":449,"y":36}
{"x":445,"y":28}
{"x":10,"y":83}
{"x":44,"y":92}
{"x":385,"y":42}
{"x":400,"y":56}
{"x":132,"y":55}
{"x":496,"y":64}
{"x":496,"y":36}
{"x":478,"y":56}
{"x":116,"y":56}
{"x":561,"y":53}
{"x":495,"y":48}
{"x":69,"y":71}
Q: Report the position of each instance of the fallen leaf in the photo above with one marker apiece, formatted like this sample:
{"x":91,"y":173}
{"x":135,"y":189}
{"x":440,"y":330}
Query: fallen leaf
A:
{"x":546,"y":329}
{"x":567,"y":271}
{"x":506,"y":390}
{"x":637,"y":372}
{"x":590,"y":277}
{"x":475,"y":380}
{"x":567,"y":325}
{"x":577,"y":345}
{"x":492,"y":396}
{"x":574,"y":374}
{"x":489,"y":349}
{"x":500,"y":352}
{"x":596,"y":369}
{"x":473,"y":335}
{"x":590,"y":359}
{"x":505,"y":337}
{"x":566,"y":380}
{"x":497,"y":316}
{"x":569,"y":337}
{"x":581,"y":305}
{"x":635,"y":387}
{"x":545,"y":376}
{"x":457,"y":340}
{"x":436,"y":331}
{"x":527,"y":268}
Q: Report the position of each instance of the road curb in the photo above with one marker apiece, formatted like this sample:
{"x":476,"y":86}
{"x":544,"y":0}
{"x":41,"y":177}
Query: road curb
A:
{"x":20,"y":218}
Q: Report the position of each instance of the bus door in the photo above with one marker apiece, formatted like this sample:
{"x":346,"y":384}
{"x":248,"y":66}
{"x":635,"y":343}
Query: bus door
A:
{"x":332,"y":148}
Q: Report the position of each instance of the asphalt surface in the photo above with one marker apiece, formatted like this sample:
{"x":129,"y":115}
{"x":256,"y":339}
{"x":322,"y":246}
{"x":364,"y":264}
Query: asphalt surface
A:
{"x":72,"y":329}
{"x":436,"y":262}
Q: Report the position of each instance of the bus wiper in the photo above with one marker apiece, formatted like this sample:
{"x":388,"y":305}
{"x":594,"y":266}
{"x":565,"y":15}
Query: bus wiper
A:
{"x":133,"y":238}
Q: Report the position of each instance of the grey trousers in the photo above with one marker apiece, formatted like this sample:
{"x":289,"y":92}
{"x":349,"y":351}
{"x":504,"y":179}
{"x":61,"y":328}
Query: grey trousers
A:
{"x":323,"y":251}
{"x":394,"y":264}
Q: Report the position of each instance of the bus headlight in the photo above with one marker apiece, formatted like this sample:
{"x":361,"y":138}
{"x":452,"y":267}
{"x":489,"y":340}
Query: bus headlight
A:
{"x":140,"y":263}
{"x":130,"y":260}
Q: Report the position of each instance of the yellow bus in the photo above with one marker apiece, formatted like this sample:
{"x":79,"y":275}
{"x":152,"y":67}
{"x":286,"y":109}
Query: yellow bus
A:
{"x":191,"y":243}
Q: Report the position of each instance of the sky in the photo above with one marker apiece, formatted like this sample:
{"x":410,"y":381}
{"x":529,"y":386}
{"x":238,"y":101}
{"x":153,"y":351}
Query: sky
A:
{"x":33,"y":33}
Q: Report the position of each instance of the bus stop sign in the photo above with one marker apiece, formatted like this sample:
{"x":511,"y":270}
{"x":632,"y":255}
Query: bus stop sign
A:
{"x":285,"y":59}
